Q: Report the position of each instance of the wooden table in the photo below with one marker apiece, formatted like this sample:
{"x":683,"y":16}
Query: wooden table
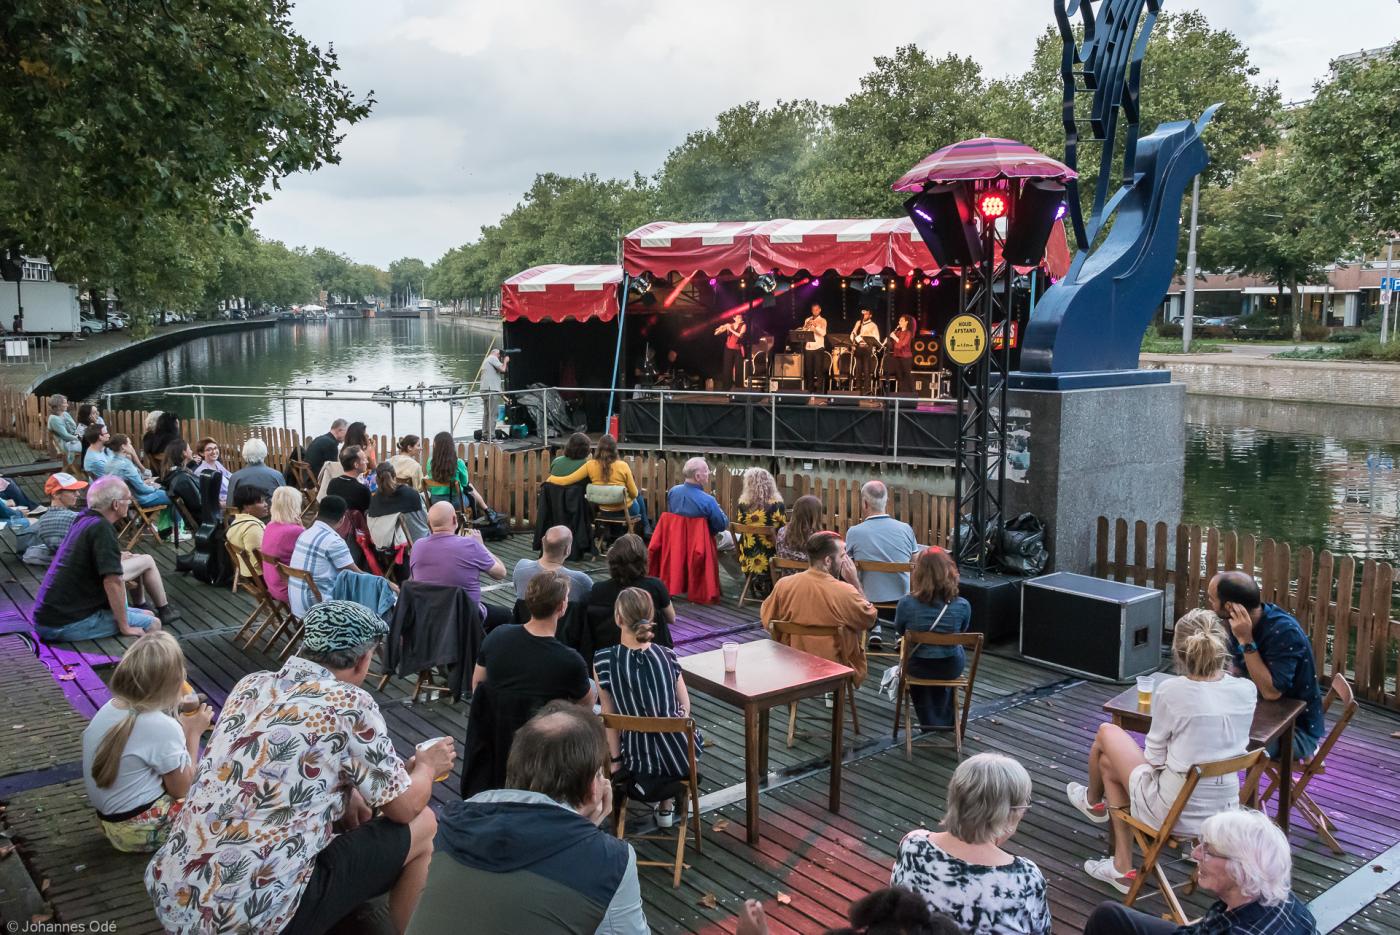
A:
{"x":1273,"y":721}
{"x":770,"y":674}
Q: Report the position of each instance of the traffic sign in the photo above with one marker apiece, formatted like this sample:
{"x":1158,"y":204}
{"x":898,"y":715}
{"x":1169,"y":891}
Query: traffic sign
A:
{"x":1390,"y":283}
{"x":965,"y":340}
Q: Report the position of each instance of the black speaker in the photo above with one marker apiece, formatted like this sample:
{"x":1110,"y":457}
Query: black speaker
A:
{"x":787,"y":366}
{"x":944,"y":221}
{"x":995,"y":601}
{"x":1040,"y":205}
{"x":1090,"y":626}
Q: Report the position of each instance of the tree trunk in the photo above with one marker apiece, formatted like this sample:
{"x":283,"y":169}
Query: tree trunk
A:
{"x":1297,"y":307}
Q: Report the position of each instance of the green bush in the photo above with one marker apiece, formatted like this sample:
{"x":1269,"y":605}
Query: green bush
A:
{"x":1345,"y":337}
{"x":1165,"y":330}
{"x":1312,"y":331}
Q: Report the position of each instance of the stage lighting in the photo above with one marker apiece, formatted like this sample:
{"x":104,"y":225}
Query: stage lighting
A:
{"x":1041,"y":205}
{"x":642,"y":283}
{"x":767,"y":282}
{"x":993,"y":204}
{"x":944,"y":221}
{"x":713,"y":280}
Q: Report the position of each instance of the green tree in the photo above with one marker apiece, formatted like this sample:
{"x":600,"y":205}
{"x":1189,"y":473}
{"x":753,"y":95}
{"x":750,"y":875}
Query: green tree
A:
{"x":1349,"y":135}
{"x":405,"y":276}
{"x":130,"y":131}
{"x":1266,"y":224}
{"x":748,"y":167}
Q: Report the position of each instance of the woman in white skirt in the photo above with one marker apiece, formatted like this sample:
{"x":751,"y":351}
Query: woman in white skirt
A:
{"x":1202,"y":714}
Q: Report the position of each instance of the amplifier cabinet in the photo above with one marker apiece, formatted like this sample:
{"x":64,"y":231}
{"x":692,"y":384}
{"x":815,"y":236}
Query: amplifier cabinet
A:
{"x":1090,"y":626}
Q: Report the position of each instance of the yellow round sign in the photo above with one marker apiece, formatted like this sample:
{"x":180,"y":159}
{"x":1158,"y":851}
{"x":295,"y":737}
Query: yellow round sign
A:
{"x":965,"y":340}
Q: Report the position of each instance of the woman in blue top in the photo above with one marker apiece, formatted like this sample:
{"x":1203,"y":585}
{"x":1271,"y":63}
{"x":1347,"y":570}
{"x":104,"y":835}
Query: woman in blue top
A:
{"x":640,"y":678}
{"x":933,"y":604}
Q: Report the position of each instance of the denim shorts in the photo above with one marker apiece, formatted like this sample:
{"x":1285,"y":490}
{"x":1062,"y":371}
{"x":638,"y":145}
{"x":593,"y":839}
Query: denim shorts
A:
{"x":94,"y":626}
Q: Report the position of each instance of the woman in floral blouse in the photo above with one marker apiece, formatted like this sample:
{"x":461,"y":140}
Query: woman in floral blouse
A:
{"x":759,"y":505}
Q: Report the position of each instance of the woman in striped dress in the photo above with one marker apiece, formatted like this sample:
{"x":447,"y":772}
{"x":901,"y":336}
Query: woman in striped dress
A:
{"x":640,"y":678}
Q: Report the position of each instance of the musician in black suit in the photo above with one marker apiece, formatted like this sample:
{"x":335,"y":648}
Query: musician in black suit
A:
{"x":864,"y":373}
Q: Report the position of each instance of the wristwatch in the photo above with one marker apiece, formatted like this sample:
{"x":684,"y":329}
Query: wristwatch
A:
{"x":1250,"y":647}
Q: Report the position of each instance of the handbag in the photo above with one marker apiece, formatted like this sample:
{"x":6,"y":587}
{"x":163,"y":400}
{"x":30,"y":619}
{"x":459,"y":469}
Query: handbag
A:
{"x":605,"y":494}
{"x":889,"y":682}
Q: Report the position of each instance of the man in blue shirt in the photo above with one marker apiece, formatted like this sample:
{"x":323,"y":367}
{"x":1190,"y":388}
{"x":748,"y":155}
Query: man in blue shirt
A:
{"x":881,"y":538}
{"x":1271,"y":649}
{"x":691,"y":499}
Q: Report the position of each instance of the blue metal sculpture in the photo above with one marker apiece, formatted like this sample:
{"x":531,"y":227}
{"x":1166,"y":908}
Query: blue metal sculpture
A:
{"x":1094,"y":318}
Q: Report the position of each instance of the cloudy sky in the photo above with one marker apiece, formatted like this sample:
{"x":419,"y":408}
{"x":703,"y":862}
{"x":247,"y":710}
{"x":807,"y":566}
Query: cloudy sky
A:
{"x":475,"y":98}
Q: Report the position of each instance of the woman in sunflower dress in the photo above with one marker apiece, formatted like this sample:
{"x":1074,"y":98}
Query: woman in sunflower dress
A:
{"x":759,"y":505}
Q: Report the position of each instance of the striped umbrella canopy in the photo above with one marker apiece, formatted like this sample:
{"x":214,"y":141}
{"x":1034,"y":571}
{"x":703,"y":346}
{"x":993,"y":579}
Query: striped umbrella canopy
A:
{"x":983,"y":158}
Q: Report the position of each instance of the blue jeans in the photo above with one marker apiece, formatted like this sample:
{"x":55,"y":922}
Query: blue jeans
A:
{"x":13,"y":518}
{"x":154,"y":498}
{"x":639,"y":510}
{"x":13,"y":492}
{"x":1304,"y":746}
{"x":95,"y":626}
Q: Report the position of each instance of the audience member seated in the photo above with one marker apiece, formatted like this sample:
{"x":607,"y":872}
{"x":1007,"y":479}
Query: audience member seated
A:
{"x":572,"y":458}
{"x":83,"y":594}
{"x":392,"y":499}
{"x":828,"y":592}
{"x":356,"y":434}
{"x":627,"y":568}
{"x":608,"y":471}
{"x":450,"y":468}
{"x":255,"y":471}
{"x":63,"y":428}
{"x":804,"y":522}
{"x":689,"y":498}
{"x":962,"y":870}
{"x":298,"y":762}
{"x":933,"y":606}
{"x":449,"y":559}
{"x":159,"y":436}
{"x":248,"y":526}
{"x":881,"y":538}
{"x":320,"y":551}
{"x":893,"y":910}
{"x":350,"y":486}
{"x":89,"y":414}
{"x":280,"y":536}
{"x":530,"y":857}
{"x":324,"y":448}
{"x":558,"y":541}
{"x":1268,"y":647}
{"x":179,"y":481}
{"x":637,"y":678}
{"x":1243,"y":860}
{"x":124,"y":464}
{"x":41,"y":540}
{"x":407,"y":466}
{"x":138,"y":757}
{"x":759,"y":505}
{"x":1203,"y":714}
{"x":209,"y":463}
{"x":95,"y":452}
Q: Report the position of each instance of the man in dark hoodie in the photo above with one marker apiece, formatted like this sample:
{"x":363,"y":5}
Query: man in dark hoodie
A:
{"x":530,"y":858}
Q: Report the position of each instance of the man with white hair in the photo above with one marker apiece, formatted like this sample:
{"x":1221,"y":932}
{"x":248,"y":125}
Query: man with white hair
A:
{"x":83,"y":595}
{"x":255,"y":471}
{"x":881,"y":538}
{"x":1243,"y":859}
{"x":689,"y":498}
{"x":555,"y":545}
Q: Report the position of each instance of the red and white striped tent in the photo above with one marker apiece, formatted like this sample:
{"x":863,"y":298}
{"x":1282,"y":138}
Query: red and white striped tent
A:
{"x":785,"y":247}
{"x":562,"y":293}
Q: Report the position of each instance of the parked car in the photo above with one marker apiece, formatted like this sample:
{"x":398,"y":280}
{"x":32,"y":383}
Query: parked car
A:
{"x":90,"y":326}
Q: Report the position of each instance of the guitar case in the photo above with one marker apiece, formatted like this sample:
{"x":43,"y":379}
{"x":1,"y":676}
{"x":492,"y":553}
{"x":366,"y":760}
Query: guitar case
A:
{"x":209,"y":562}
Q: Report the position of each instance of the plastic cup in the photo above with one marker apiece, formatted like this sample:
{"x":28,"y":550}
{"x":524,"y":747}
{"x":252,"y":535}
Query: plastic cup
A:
{"x":1145,"y":684}
{"x":731,"y":656}
{"x":190,"y":701}
{"x":425,"y":745}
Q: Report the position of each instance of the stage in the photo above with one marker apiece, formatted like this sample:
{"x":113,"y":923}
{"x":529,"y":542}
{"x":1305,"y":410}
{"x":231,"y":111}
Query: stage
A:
{"x":907,"y":429}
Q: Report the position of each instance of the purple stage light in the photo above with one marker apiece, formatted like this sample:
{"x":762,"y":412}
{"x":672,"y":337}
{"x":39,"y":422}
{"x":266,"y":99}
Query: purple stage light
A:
{"x":934,"y":283}
{"x":924,"y":214}
{"x":713,"y":280}
{"x":1061,"y":210}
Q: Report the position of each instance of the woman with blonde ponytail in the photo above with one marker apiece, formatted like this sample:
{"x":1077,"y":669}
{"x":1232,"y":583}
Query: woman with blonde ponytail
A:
{"x":1202,"y":714}
{"x":641,"y":678}
{"x":138,"y":755}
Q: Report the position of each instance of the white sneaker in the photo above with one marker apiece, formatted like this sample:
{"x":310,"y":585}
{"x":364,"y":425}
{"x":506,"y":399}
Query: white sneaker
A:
{"x":666,"y":817}
{"x":1103,"y":869}
{"x":1079,"y":797}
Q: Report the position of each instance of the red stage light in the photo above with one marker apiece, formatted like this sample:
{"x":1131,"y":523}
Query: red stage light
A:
{"x":992,"y":205}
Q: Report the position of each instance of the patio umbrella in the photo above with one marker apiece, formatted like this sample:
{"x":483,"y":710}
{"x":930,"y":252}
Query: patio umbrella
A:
{"x":983,"y":158}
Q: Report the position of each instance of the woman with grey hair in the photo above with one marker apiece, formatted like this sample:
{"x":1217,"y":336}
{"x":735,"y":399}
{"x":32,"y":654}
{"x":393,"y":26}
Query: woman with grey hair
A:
{"x":962,"y":870}
{"x":62,"y":426}
{"x":1243,"y":859}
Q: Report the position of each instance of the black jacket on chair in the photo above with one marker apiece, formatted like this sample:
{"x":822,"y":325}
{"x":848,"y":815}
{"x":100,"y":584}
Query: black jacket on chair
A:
{"x":564,"y":505}
{"x":435,"y":625}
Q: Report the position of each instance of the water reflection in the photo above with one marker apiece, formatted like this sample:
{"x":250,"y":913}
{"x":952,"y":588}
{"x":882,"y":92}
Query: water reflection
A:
{"x":374,"y":352}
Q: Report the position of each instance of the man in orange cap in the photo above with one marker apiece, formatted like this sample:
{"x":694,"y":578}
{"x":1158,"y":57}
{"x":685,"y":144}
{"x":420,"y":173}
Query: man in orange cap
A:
{"x":40,"y":541}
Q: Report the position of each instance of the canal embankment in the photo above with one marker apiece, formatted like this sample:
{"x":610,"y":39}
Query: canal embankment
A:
{"x":1346,"y":383}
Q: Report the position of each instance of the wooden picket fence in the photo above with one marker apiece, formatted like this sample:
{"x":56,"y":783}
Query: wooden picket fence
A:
{"x":1344,"y":605}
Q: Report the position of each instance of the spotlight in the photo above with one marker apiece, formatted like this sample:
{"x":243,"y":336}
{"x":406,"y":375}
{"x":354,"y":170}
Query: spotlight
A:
{"x":642,"y":283}
{"x":713,"y":280}
{"x":1061,"y":210}
{"x":874,"y":281}
{"x":767,"y":282}
{"x":992,"y":205}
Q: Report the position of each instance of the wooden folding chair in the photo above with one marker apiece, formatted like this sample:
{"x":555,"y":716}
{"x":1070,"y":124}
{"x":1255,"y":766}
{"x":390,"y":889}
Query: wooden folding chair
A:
{"x":783,"y":631}
{"x":893,"y":568}
{"x":181,"y":512}
{"x":299,"y":475}
{"x":266,"y":608}
{"x":1303,"y":803}
{"x":689,"y":802}
{"x":281,"y":616}
{"x":603,"y":519}
{"x":294,"y":636}
{"x":140,"y":521}
{"x":904,"y":703}
{"x":1153,"y":842}
{"x":782,"y":567}
{"x":767,"y":533}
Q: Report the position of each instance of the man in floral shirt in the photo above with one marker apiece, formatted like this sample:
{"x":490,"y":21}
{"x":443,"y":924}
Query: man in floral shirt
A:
{"x":298,"y":756}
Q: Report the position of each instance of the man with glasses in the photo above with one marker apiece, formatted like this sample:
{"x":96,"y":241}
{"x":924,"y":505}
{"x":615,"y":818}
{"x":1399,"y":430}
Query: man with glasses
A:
{"x":83,"y":595}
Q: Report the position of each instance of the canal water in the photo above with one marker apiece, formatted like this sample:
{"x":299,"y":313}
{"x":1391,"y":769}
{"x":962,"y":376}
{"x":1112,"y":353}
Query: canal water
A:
{"x":1308,"y":474}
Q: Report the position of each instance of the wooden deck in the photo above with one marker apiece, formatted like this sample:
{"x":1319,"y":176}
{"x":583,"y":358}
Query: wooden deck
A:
{"x":817,"y":860}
